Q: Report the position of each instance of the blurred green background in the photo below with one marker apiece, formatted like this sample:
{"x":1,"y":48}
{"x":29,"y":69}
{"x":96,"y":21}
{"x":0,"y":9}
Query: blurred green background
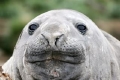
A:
{"x":15,"y":14}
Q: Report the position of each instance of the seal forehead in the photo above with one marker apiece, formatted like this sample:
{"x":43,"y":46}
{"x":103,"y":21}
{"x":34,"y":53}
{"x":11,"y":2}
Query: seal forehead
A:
{"x":64,"y":14}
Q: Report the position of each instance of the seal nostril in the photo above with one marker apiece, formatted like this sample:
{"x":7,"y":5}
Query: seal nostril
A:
{"x":45,"y":38}
{"x":58,"y":39}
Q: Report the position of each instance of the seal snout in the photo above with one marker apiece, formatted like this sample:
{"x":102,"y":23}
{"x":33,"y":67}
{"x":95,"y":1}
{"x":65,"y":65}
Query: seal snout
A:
{"x":53,"y":40}
{"x":54,"y":34}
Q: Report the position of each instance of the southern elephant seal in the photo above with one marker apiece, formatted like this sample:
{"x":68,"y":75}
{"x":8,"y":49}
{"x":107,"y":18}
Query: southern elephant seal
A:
{"x":64,"y":45}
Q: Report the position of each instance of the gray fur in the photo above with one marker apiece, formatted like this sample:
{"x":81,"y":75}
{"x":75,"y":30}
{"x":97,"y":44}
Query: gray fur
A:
{"x":92,"y":56}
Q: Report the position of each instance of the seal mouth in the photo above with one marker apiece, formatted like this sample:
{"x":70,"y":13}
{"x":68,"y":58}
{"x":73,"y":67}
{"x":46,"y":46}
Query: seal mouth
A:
{"x":57,"y":60}
{"x":57,"y":56}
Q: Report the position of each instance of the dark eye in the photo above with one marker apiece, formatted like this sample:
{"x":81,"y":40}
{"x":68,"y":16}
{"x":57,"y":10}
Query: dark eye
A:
{"x":82,"y":28}
{"x":32,"y":28}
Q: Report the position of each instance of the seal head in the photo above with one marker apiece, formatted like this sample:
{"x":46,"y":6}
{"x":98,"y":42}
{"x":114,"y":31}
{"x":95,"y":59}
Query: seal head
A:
{"x":64,"y":45}
{"x":55,"y":47}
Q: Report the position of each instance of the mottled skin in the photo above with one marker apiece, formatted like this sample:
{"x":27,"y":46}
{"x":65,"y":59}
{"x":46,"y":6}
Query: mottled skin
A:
{"x":57,"y":50}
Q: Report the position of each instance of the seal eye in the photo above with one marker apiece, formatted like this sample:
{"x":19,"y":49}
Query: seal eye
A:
{"x":32,"y":28}
{"x":82,"y":28}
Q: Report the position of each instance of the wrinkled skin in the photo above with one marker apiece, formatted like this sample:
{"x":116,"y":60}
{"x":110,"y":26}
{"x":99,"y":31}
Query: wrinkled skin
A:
{"x":57,"y":50}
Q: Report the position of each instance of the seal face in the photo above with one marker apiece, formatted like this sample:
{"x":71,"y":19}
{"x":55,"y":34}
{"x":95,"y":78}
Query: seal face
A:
{"x":54,"y":47}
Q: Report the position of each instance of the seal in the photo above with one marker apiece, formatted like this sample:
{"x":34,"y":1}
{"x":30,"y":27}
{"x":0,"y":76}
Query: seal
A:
{"x":64,"y":45}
